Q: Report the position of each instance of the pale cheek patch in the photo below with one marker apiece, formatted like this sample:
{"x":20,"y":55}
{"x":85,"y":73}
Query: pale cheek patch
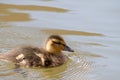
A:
{"x":21,"y":56}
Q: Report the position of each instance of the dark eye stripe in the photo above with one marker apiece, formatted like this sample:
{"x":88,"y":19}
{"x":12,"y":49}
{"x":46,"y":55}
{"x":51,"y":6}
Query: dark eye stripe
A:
{"x":58,"y":43}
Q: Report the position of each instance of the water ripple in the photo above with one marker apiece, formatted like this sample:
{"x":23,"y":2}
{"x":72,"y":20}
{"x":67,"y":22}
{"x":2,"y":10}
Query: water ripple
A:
{"x":78,"y":68}
{"x":70,"y":32}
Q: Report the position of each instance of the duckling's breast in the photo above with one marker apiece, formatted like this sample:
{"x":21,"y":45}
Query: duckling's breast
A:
{"x":55,"y":60}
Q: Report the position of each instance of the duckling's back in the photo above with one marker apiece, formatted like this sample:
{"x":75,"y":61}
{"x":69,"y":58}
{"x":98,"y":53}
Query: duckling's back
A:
{"x":26,"y":51}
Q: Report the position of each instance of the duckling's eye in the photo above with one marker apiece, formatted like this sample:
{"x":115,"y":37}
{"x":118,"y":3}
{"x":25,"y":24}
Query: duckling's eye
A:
{"x":24,"y":58}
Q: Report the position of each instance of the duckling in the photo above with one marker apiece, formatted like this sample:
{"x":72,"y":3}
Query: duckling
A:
{"x":49,"y":56}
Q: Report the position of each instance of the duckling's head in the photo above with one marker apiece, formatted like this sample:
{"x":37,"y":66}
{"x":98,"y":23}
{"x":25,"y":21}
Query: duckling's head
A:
{"x":55,"y":44}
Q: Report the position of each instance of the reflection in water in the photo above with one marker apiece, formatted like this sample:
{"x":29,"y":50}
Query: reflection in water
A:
{"x":69,"y":32}
{"x":13,"y":16}
{"x":52,"y":73}
{"x":31,"y":7}
{"x":8,"y":15}
{"x":7,"y":74}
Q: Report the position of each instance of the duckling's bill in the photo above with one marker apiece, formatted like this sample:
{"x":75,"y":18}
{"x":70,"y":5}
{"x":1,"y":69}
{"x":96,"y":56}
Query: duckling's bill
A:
{"x":67,"y":48}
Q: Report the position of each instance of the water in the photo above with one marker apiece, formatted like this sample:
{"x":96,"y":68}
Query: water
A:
{"x":91,"y":28}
